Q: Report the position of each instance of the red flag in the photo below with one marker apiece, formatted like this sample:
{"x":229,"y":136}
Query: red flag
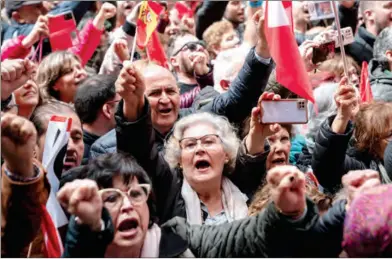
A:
{"x":290,"y":69}
{"x":183,"y":10}
{"x":155,"y":51}
{"x":52,"y":240}
{"x":364,"y":87}
{"x":147,"y":22}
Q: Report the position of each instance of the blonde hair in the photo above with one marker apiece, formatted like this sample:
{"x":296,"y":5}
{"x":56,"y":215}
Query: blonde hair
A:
{"x":52,"y":67}
{"x":214,"y":34}
{"x":225,"y":131}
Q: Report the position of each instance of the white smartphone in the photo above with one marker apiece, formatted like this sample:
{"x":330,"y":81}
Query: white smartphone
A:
{"x":287,"y":111}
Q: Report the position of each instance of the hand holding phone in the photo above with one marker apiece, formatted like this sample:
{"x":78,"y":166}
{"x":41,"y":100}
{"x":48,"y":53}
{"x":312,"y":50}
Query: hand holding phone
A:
{"x":259,"y":131}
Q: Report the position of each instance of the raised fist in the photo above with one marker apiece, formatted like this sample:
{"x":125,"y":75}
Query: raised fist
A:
{"x":81,"y":198}
{"x":18,"y":139}
{"x":121,"y":50}
{"x":107,"y":11}
{"x":288,"y":190}
{"x":355,"y":182}
{"x":347,"y":100}
{"x":14,"y":74}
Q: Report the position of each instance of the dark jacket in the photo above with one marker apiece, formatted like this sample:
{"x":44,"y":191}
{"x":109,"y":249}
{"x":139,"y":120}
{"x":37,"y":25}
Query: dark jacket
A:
{"x":269,"y":234}
{"x":79,"y":8}
{"x":388,"y":158}
{"x":236,"y":104}
{"x":210,"y":12}
{"x":362,"y":48}
{"x":380,"y":81}
{"x":138,"y":139}
{"x":88,"y":140}
{"x":332,"y":157}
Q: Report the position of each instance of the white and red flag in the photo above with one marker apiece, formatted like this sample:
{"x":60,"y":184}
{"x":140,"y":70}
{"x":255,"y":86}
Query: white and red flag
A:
{"x":290,"y":68}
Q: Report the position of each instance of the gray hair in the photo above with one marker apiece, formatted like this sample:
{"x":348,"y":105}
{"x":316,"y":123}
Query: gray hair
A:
{"x":225,"y":131}
{"x":382,"y":44}
{"x":324,"y":98}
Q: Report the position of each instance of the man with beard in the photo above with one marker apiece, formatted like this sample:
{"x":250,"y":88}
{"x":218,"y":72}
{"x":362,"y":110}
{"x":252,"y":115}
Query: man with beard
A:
{"x":189,"y":59}
{"x":235,"y":13}
{"x":377,"y":15}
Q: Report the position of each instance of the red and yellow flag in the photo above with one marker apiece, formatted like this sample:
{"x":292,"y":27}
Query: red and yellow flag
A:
{"x":147,"y":22}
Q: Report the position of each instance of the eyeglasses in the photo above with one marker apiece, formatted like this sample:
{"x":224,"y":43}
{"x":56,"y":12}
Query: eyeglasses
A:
{"x":192,"y":46}
{"x":113,"y":198}
{"x":209,"y":141}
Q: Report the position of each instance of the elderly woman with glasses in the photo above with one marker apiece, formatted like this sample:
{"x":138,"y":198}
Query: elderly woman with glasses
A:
{"x":114,"y":217}
{"x":371,"y":125}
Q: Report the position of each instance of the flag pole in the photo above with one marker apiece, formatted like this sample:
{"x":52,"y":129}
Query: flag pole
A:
{"x":340,"y":40}
{"x":134,"y":45}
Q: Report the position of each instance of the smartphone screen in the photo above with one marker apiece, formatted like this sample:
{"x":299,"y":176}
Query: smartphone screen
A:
{"x":323,"y":52}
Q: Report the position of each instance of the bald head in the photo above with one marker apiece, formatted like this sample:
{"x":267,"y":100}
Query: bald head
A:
{"x":377,"y":15}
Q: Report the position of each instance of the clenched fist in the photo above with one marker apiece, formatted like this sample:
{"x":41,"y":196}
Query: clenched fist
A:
{"x":130,"y":86}
{"x":356,"y":182}
{"x":81,"y":198}
{"x":288,"y":190}
{"x":106,"y":12}
{"x":14,"y":74}
{"x":18,"y":139}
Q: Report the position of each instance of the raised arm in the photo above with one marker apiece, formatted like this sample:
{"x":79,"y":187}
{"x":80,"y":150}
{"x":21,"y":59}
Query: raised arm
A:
{"x":330,"y":161}
{"x":210,"y":12}
{"x":237,"y":103}
{"x":24,"y":189}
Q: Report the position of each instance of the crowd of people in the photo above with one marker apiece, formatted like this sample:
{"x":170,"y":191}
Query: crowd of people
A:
{"x":174,"y":160}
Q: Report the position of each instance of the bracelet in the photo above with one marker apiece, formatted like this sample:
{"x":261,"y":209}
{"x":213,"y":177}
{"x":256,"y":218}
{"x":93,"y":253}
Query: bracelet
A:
{"x":255,"y":4}
{"x":18,"y":178}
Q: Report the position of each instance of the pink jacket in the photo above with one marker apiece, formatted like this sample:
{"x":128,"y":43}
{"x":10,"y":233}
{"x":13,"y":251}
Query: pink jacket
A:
{"x":89,"y":36}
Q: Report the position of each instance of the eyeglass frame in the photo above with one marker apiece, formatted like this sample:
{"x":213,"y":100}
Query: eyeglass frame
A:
{"x":114,"y":101}
{"x":201,"y":43}
{"x":197,"y":141}
{"x":127,"y":194}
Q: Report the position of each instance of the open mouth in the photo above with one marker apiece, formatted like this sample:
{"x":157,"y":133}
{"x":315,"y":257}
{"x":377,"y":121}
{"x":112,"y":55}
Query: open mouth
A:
{"x":202,"y":165}
{"x":69,"y":162}
{"x":165,"y":111}
{"x":279,"y":161}
{"x":128,"y":225}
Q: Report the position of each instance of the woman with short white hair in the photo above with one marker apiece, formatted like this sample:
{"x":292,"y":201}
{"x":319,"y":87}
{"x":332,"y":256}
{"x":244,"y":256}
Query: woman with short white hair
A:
{"x":206,"y":174}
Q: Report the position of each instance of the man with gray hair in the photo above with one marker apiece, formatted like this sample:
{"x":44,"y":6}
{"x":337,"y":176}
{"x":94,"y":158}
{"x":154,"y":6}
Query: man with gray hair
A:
{"x":377,"y":15}
{"x":380,"y":67}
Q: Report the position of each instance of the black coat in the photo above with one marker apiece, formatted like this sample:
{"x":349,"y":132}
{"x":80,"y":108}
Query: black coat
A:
{"x":269,"y":234}
{"x":332,"y":157}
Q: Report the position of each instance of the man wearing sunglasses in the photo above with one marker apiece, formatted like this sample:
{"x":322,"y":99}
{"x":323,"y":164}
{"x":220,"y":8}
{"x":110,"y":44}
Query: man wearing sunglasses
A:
{"x":190,"y":62}
{"x":95,"y":103}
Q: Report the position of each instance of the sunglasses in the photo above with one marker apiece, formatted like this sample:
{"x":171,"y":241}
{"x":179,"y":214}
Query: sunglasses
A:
{"x":192,"y":46}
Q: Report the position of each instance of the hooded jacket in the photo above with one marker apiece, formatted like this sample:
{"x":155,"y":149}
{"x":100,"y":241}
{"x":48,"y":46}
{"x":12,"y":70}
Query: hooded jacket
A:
{"x":380,"y":81}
